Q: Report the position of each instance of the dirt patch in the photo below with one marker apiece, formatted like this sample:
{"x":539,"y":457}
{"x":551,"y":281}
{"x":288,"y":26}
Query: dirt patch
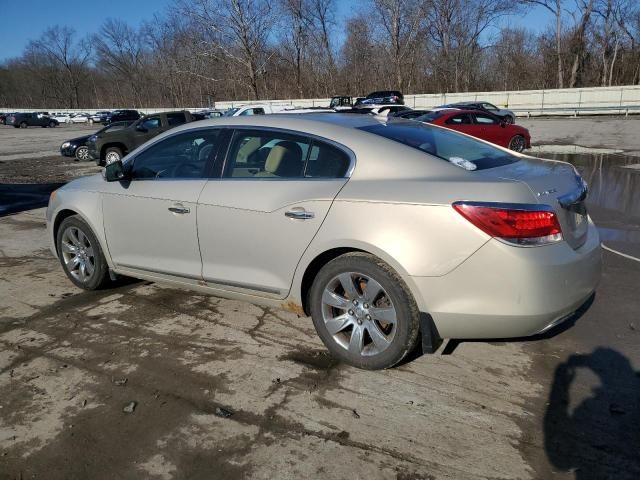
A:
{"x":52,"y":169}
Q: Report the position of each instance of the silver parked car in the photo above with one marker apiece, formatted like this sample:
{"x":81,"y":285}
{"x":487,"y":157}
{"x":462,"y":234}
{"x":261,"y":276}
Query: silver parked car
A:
{"x":383,"y":230}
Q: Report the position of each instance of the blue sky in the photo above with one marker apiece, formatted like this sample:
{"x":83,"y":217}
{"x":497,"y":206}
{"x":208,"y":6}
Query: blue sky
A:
{"x":25,"y":20}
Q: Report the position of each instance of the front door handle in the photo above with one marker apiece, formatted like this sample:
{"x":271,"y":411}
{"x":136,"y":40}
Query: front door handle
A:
{"x":299,"y":214}
{"x":179,"y":209}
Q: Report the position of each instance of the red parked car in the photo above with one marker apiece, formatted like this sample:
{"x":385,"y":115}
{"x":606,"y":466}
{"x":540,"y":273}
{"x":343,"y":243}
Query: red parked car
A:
{"x":483,"y":125}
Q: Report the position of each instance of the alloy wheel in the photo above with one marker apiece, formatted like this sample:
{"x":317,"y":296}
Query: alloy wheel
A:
{"x":111,"y":157}
{"x":78,"y":254}
{"x":82,"y":153}
{"x":517,"y":143}
{"x":359,"y":314}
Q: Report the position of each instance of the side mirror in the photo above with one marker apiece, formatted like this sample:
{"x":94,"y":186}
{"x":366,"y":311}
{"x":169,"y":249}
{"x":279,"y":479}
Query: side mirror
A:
{"x":114,"y":171}
{"x":503,"y":123}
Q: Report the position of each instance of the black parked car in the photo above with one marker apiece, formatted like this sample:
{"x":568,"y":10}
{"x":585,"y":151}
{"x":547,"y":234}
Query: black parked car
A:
{"x":122,"y":116}
{"x":77,"y":147}
{"x":35,"y":119}
{"x":383,"y":97}
{"x":109,"y":146}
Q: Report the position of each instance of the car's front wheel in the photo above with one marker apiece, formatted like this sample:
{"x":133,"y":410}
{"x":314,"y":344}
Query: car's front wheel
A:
{"x":82,"y":153}
{"x":113,"y":154}
{"x":80,"y":254}
{"x":23,"y":125}
{"x":363,"y":311}
{"x":517,"y":143}
{"x":52,"y":124}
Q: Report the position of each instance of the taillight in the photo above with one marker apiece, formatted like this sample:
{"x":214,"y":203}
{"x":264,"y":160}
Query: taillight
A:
{"x":524,"y":225}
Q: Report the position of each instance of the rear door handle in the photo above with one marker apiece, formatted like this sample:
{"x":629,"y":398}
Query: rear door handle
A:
{"x":179,"y":209}
{"x":299,"y":214}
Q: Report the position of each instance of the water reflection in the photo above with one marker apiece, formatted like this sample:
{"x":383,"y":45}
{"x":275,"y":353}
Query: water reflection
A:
{"x":614,"y":196}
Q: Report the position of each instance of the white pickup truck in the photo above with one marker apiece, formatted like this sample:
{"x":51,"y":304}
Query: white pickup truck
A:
{"x":266,"y":109}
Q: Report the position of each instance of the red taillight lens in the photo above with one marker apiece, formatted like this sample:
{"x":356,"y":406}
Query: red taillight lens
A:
{"x":526,"y":225}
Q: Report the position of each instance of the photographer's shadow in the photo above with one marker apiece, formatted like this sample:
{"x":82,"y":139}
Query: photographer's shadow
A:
{"x":600,"y":438}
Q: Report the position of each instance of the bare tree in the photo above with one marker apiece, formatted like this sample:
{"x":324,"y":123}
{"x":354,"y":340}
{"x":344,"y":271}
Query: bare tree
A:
{"x":556,"y":8}
{"x":237,"y":30}
{"x":57,"y":49}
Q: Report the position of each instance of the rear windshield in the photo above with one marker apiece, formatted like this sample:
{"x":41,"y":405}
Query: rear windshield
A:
{"x":445,"y":144}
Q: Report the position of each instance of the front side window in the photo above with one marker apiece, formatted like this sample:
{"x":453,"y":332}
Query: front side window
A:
{"x":151,"y":123}
{"x":489,"y":106}
{"x":266,"y":155}
{"x":442,"y":143}
{"x":181,"y":156}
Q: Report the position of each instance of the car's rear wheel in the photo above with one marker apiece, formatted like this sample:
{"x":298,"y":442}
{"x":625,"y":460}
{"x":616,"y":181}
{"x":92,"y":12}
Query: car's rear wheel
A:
{"x":113,"y":154}
{"x":23,"y":125}
{"x":517,"y":143}
{"x":82,"y":153}
{"x":80,"y":254}
{"x":91,"y":121}
{"x":363,"y":311}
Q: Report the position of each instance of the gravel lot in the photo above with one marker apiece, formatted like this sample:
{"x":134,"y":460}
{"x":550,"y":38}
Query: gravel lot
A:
{"x":225,"y":389}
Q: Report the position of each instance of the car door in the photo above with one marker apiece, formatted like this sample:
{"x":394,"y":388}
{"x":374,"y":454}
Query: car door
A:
{"x":461,"y":122}
{"x":256,"y":221}
{"x":147,"y":128}
{"x":150,"y":219}
{"x":489,"y":127}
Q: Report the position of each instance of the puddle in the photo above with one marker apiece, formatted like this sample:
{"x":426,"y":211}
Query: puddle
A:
{"x":614,"y":196}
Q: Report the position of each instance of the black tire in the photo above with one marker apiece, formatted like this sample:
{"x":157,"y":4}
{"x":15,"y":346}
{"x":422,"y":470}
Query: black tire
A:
{"x":517,"y":143}
{"x":82,"y":153}
{"x":52,"y":124}
{"x":23,"y":125}
{"x":509,"y":119}
{"x":100,"y":274}
{"x":407,"y":315}
{"x":111,"y":151}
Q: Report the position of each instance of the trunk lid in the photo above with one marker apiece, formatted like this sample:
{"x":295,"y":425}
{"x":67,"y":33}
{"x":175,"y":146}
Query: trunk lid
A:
{"x":556,"y":184}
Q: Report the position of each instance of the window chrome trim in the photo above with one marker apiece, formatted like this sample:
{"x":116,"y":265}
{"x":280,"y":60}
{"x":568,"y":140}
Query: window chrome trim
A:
{"x":343,"y":148}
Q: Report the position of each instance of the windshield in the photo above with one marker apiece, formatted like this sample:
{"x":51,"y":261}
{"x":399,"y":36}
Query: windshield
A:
{"x":230,"y":112}
{"x":429,"y":117}
{"x":442,"y":143}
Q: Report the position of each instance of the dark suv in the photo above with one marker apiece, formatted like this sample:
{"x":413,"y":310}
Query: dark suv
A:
{"x":35,"y":119}
{"x":111,"y":145}
{"x":121,"y":116}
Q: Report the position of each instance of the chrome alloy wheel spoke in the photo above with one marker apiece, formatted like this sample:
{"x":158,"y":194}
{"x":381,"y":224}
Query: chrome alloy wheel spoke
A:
{"x":358,"y":314}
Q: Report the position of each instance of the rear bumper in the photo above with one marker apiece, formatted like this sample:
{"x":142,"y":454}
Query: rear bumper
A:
{"x":503,"y":291}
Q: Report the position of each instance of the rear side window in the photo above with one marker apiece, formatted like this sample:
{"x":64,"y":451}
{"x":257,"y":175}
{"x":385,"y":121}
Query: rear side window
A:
{"x":176,"y":118}
{"x":266,"y":155}
{"x":485,"y":119}
{"x":442,"y":143}
{"x":326,"y":161}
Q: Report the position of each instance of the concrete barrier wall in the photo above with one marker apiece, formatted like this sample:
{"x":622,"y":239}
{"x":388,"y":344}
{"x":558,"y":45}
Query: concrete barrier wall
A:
{"x":568,"y":101}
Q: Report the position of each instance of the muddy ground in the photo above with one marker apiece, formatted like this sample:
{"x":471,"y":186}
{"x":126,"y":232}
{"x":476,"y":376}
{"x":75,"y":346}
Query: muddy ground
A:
{"x":143,"y":381}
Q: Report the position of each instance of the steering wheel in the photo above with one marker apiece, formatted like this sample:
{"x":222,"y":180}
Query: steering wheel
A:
{"x":188,"y":170}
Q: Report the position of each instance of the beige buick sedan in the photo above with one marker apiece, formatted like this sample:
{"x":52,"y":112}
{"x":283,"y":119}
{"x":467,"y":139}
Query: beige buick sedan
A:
{"x":384,"y":231}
